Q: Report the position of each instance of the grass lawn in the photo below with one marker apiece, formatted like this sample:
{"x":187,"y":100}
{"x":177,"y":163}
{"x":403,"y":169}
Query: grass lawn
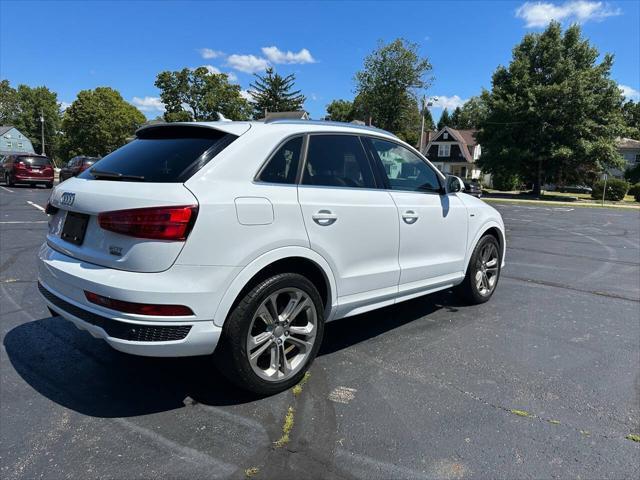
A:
{"x":547,"y":197}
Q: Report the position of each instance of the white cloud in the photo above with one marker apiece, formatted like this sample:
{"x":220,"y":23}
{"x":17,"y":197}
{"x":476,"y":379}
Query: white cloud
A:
{"x":211,"y":69}
{"x":208,"y":53}
{"x":148,"y":104}
{"x":450,"y":103}
{"x":64,"y":106}
{"x":232,"y":77}
{"x":275,"y":55}
{"x":539,"y":14}
{"x":246,"y":95}
{"x":630,"y":93}
{"x":247,"y":63}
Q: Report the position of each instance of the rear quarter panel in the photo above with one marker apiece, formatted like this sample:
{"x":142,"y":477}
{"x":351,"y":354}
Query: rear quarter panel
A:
{"x":235,"y":224}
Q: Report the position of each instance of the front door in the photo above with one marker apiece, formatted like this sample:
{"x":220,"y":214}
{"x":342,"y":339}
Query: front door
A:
{"x":433,"y":226}
{"x":350,"y":223}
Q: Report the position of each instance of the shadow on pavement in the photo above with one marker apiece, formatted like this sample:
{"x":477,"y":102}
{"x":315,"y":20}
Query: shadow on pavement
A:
{"x":84,"y":374}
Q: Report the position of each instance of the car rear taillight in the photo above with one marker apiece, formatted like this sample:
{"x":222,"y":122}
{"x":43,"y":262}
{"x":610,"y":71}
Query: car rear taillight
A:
{"x":50,"y":209}
{"x":139,"y":308}
{"x":157,"y":223}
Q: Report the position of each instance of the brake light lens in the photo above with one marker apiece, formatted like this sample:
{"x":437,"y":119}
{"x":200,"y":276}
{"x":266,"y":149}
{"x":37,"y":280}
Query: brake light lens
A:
{"x":157,"y":223}
{"x":138,"y":308}
{"x":50,"y":209}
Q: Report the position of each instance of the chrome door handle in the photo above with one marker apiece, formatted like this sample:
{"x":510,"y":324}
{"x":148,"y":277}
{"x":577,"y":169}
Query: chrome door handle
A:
{"x":324,"y":217}
{"x":410,"y":217}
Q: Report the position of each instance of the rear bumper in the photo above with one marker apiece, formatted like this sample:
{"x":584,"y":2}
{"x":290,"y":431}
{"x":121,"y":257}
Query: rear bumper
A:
{"x":26,"y":178}
{"x":63,"y":281}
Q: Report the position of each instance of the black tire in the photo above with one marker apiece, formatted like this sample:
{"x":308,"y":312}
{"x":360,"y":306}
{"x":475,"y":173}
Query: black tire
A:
{"x":469,"y":289}
{"x":8,"y":180}
{"x":231,"y":356}
{"x":48,"y":185}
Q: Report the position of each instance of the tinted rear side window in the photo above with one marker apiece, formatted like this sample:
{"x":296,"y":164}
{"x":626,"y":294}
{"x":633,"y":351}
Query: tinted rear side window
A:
{"x":162,"y":155}
{"x":34,"y":161}
{"x":283,"y":166}
{"x":337,"y":161}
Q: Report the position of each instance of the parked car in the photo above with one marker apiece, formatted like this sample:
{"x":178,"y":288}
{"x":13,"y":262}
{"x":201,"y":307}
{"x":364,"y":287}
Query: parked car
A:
{"x":241,"y":239}
{"x":76,"y":166}
{"x":473,"y":188}
{"x":27,"y":168}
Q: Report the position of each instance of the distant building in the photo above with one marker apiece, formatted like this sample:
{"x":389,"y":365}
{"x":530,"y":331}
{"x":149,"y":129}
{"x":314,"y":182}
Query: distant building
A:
{"x":630,"y":151}
{"x":13,"y":141}
{"x":455,"y":152}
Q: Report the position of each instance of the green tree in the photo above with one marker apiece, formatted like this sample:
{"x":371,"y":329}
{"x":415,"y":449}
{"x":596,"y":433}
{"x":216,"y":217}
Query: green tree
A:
{"x":9,"y":105}
{"x":23,"y":107}
{"x":340,"y":111}
{"x":455,"y":118}
{"x":554,"y":112}
{"x":445,"y":120}
{"x":272,"y":92}
{"x":198,"y":95}
{"x":429,"y":124}
{"x":473,"y":113}
{"x":631,"y":114}
{"x":387,"y":87}
{"x":98,"y":122}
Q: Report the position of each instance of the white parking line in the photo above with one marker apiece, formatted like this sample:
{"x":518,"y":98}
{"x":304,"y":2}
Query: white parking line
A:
{"x":5,"y":188}
{"x":21,"y":221}
{"x":35,"y":205}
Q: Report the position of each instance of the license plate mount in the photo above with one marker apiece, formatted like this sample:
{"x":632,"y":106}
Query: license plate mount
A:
{"x":75,"y":227}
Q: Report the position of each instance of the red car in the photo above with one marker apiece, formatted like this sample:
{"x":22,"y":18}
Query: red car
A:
{"x":76,"y":166}
{"x":27,"y":168}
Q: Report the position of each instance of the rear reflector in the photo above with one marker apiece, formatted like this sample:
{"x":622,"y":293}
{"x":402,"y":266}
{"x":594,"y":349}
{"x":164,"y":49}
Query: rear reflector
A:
{"x":138,"y":308}
{"x":157,"y":223}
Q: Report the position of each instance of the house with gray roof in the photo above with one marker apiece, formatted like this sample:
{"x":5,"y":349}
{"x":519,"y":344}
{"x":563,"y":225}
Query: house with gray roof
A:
{"x":13,"y":141}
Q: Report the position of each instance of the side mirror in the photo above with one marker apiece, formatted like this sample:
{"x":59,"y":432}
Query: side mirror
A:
{"x":454,"y":184}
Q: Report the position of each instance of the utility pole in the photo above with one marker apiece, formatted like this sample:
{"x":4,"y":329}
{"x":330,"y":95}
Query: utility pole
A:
{"x":42,"y":128}
{"x":424,"y":105}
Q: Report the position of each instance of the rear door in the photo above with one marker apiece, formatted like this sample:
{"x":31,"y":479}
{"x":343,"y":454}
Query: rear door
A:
{"x":147,"y":173}
{"x":433,"y":226}
{"x":353,"y":225}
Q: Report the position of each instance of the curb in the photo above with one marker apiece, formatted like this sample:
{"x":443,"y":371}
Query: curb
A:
{"x":560,"y":204}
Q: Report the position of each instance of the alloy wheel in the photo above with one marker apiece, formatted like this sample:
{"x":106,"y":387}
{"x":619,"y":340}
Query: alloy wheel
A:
{"x":282,"y":334}
{"x":487,"y":269}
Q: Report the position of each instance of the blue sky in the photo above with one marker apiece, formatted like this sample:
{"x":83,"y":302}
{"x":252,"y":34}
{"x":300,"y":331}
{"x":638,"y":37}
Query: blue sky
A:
{"x":71,"y":46}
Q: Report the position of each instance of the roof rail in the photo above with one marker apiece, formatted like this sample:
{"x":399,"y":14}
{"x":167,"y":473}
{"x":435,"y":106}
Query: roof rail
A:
{"x":327,"y":123}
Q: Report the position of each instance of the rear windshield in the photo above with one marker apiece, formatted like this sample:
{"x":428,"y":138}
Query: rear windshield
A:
{"x":161,"y":155}
{"x":34,"y":161}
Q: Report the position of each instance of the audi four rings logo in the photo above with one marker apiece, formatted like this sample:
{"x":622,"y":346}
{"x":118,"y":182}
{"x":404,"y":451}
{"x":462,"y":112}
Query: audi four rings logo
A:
{"x":67,"y":198}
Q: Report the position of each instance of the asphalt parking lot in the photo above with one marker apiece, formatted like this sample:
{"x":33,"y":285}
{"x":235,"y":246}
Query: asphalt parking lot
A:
{"x":541,"y":382}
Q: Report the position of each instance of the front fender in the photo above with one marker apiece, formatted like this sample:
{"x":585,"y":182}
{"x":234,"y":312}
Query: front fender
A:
{"x":266,"y":259}
{"x":479,"y":234}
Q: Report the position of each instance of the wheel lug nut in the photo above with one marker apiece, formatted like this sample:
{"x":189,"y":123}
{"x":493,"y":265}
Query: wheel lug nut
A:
{"x":286,"y":333}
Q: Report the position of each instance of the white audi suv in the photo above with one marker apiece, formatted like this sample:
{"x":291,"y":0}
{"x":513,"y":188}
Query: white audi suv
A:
{"x":242,"y":239}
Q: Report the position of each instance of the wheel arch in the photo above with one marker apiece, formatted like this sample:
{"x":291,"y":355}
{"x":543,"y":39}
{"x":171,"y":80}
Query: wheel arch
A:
{"x":287,"y":259}
{"x":490,"y":228}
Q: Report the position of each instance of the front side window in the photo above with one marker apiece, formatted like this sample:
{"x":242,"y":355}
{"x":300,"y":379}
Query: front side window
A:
{"x":283,"y":165}
{"x":404,"y":169}
{"x":337,"y":161}
{"x":444,"y":150}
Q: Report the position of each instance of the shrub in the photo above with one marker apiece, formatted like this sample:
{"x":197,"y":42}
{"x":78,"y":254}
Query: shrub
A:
{"x":635,"y":191}
{"x":505,"y":181}
{"x":633,"y":174}
{"x":616,"y":189}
